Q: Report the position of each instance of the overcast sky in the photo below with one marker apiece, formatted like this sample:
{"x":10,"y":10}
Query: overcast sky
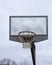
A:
{"x":14,"y":50}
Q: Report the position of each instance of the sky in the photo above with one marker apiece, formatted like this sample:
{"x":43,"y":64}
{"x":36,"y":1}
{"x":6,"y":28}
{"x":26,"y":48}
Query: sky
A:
{"x":14,"y":50}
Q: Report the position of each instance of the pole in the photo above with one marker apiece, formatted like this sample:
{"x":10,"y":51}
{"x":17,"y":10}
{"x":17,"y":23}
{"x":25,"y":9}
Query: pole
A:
{"x":33,"y":53}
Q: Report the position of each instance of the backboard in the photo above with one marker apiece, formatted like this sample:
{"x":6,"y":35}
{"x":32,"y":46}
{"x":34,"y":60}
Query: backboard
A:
{"x":36,"y":24}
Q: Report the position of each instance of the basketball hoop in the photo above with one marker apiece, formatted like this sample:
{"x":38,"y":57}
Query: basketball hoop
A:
{"x":26,"y":37}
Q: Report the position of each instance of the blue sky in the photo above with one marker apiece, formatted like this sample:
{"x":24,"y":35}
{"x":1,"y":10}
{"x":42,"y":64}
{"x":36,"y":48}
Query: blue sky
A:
{"x":14,"y":50}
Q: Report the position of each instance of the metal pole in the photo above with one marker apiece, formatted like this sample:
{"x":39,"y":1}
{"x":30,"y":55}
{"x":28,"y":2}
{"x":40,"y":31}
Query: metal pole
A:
{"x":33,"y":53}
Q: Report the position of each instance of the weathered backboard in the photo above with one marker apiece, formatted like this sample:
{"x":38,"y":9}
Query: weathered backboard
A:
{"x":36,"y":24}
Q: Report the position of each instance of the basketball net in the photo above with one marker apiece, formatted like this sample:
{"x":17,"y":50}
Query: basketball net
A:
{"x":26,"y":37}
{"x":26,"y":45}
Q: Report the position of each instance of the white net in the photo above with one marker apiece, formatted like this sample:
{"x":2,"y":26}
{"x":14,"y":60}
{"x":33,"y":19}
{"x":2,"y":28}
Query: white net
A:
{"x":26,"y":45}
{"x":26,"y":37}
